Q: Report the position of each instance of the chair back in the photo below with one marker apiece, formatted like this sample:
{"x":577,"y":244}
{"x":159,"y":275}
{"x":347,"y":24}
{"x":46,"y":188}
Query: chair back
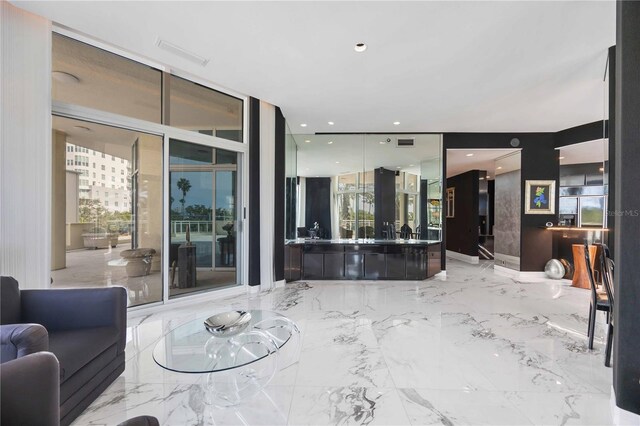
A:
{"x":607,"y":273}
{"x":592,"y":283}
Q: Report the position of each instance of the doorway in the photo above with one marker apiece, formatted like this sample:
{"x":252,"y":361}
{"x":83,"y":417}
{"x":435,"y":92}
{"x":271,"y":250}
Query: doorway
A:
{"x":203,"y":188}
{"x":483,"y":205}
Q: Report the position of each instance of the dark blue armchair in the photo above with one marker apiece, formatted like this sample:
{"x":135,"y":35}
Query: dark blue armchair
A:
{"x":84,"y":328}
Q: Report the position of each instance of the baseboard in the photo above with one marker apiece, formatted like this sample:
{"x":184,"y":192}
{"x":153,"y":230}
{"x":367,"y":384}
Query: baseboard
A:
{"x":279,"y":284}
{"x":441,"y":274}
{"x":507,"y":261}
{"x":463,"y":257}
{"x":253,"y":289}
{"x":620,"y":416}
{"x":532,"y":274}
{"x":506,"y":271}
{"x":525,"y":275}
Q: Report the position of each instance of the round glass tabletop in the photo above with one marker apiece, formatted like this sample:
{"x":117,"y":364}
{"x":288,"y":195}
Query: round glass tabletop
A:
{"x":190,"y":348}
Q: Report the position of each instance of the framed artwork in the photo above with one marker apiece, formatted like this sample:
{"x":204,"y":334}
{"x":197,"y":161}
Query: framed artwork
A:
{"x":540,"y":197}
{"x":451,"y":202}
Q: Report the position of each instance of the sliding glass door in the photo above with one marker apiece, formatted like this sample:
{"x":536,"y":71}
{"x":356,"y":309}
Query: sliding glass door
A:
{"x":203,"y":217}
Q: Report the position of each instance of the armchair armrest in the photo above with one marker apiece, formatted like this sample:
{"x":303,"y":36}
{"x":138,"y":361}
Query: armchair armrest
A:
{"x":18,"y":340}
{"x":73,"y":309}
{"x":30,"y":389}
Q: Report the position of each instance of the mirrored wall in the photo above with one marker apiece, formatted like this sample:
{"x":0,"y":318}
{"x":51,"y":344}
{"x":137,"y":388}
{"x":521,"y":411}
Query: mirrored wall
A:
{"x":363,"y":186}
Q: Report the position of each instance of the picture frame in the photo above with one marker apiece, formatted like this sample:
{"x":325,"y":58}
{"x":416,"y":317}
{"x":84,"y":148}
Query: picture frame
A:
{"x":540,"y":197}
{"x":451,"y":202}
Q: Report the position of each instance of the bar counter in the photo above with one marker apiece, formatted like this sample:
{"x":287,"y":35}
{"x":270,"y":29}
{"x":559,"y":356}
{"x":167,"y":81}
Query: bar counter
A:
{"x":362,"y":259}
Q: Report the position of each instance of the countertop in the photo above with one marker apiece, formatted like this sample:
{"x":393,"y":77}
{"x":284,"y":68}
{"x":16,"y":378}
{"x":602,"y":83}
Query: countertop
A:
{"x":362,"y":241}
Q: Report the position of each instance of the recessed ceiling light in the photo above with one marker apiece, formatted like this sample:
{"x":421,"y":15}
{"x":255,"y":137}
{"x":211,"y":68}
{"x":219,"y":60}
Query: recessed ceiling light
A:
{"x":337,"y":162}
{"x":488,"y":177}
{"x":64,"y":77}
{"x":382,"y":142}
{"x":307,"y":141}
{"x":499,"y":168}
{"x":330,"y":123}
{"x":560,"y":158}
{"x":303,"y":125}
{"x":411,"y":165}
{"x":360,"y":47}
{"x":330,"y":142}
{"x":470,"y":155}
{"x":398,"y":167}
{"x":396,"y":123}
{"x":481,"y":178}
{"x":83,"y":128}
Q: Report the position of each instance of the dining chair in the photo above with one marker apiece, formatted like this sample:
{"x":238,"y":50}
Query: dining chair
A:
{"x":599,"y":301}
{"x":607,"y":267}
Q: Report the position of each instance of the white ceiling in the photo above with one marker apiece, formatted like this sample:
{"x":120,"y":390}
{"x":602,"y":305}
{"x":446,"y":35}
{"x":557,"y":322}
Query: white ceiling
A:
{"x":459,"y":161}
{"x":433,"y":66}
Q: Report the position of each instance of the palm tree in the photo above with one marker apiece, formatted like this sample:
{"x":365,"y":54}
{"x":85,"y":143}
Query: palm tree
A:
{"x":183,"y":185}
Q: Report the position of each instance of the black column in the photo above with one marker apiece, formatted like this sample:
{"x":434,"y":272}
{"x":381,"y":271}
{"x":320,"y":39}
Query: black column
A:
{"x":278,"y":213}
{"x":626,"y":351}
{"x":254,"y":191}
{"x":384,"y":191}
{"x":611,"y":171}
{"x":318,"y":204}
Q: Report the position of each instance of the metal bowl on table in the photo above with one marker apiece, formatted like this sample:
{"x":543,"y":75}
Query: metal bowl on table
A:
{"x":227,"y":323}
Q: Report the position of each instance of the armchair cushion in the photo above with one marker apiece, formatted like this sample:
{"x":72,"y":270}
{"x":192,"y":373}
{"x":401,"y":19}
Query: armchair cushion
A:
{"x":18,"y":340}
{"x":9,"y":301}
{"x":30,"y":391}
{"x":77,"y":348}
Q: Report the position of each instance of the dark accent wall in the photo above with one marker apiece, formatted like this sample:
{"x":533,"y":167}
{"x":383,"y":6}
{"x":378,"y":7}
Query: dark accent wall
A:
{"x":610,"y":168}
{"x":462,"y":229}
{"x":491,"y":188}
{"x":626,"y":350}
{"x":318,"y":204}
{"x":539,"y":162}
{"x":582,"y":133}
{"x":384,"y":182}
{"x":424,"y":216}
{"x":291,"y":192}
{"x":279,"y":195}
{"x":254,"y":191}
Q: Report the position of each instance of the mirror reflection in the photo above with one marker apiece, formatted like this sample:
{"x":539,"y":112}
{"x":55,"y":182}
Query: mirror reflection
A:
{"x":363,"y":186}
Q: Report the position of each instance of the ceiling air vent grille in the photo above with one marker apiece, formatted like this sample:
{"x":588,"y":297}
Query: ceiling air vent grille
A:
{"x":184,"y":53}
{"x":405,"y":143}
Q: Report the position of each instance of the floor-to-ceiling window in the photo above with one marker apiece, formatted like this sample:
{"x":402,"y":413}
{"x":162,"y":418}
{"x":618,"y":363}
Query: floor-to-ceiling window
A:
{"x":120,"y":212}
{"x":203,"y":217}
{"x":107,"y":185}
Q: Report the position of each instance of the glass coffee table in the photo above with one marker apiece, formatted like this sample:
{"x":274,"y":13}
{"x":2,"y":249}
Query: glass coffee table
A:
{"x":238,"y":366}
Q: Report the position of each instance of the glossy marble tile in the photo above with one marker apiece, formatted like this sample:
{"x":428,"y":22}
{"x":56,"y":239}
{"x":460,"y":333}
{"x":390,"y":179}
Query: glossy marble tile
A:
{"x":456,"y":407}
{"x":471,"y":347}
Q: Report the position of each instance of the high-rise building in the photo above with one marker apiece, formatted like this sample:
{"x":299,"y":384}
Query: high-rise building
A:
{"x":102,"y":177}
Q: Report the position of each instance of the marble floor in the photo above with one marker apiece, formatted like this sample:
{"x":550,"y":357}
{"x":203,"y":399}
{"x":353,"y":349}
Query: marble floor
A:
{"x":469,"y":348}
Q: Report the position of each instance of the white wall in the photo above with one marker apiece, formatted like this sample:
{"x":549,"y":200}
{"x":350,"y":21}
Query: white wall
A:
{"x":267,"y":188}
{"x":25,"y":147}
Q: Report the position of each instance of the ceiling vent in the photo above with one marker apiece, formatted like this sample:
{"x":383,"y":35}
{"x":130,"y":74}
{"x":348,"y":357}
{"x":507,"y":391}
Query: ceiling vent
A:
{"x":405,"y":143}
{"x":183,"y":53}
